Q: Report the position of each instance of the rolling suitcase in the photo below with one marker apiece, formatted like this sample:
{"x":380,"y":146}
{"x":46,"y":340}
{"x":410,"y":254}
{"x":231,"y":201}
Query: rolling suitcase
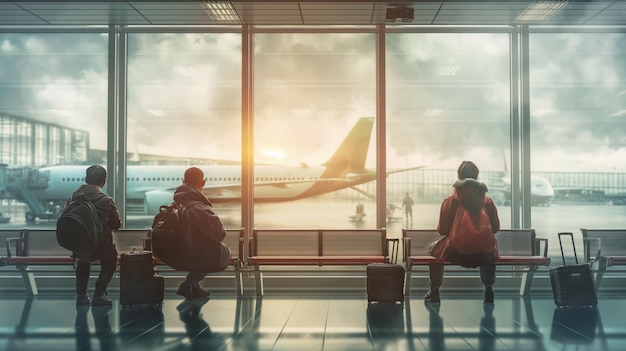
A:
{"x":139,"y":283}
{"x":573,"y":285}
{"x":385,"y":281}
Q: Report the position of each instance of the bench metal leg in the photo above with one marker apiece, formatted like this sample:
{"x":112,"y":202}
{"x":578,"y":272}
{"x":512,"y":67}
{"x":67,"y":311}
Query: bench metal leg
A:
{"x":239,"y":283}
{"x":407,"y":282}
{"x":602,"y":264}
{"x":527,"y":281}
{"x":29,"y":282}
{"x":258,"y":282}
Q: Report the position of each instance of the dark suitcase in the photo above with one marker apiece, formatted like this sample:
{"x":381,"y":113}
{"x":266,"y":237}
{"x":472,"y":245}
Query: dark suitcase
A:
{"x":573,"y":285}
{"x":385,"y":281}
{"x":139,"y":283}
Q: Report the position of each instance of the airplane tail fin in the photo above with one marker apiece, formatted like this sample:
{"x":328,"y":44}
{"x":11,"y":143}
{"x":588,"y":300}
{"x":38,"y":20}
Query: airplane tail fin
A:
{"x":351,"y":155}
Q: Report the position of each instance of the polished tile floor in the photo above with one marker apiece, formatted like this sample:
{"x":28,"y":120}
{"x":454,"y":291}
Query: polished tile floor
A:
{"x":301,"y":323}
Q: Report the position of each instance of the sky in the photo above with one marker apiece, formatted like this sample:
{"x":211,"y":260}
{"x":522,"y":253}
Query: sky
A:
{"x":447,"y":95}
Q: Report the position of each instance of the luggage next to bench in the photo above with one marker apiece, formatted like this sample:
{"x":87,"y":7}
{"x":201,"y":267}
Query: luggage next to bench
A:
{"x":572,"y":285}
{"x":139,"y":283}
{"x":385,"y":281}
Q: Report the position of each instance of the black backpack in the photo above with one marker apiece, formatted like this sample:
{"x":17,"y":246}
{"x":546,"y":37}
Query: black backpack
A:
{"x":170,"y":237}
{"x":79,"y":228}
{"x":173,"y":244}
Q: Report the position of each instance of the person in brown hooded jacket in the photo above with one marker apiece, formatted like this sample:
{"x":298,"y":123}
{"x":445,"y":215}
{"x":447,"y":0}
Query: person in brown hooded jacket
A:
{"x":470,"y":194}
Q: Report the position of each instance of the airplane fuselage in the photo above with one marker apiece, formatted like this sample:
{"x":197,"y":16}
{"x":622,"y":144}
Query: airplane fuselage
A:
{"x":223,"y":183}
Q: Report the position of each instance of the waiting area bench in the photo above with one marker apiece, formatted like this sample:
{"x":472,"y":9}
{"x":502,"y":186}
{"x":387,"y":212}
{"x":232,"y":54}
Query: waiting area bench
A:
{"x":314,"y":248}
{"x":607,"y":247}
{"x":517,"y":247}
{"x":39,"y":247}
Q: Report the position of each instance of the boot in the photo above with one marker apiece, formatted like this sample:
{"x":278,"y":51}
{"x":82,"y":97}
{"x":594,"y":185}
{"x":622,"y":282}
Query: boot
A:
{"x":432,"y":296}
{"x":488,"y":294}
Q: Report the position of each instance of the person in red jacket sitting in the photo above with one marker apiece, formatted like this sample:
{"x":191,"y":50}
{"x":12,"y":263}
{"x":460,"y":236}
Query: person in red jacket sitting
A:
{"x":468,"y":220}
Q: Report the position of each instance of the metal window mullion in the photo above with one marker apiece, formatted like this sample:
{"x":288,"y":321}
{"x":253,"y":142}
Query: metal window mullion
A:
{"x":525,"y":127}
{"x":381,"y":120}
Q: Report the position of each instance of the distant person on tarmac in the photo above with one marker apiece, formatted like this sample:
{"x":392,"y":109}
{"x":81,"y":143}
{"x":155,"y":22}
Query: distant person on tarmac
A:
{"x":407,"y":203}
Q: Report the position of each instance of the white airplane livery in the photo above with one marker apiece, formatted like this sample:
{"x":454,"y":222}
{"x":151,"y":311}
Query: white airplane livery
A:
{"x":155,"y":184}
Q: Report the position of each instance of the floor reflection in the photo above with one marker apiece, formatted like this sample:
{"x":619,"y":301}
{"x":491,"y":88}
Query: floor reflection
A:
{"x":341,"y":323}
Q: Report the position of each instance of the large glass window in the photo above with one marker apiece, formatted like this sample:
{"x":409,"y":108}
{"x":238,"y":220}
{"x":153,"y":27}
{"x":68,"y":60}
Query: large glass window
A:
{"x":51,"y":86}
{"x":184,"y":109}
{"x":447,"y":101}
{"x":577,"y":116}
{"x":314,"y":106}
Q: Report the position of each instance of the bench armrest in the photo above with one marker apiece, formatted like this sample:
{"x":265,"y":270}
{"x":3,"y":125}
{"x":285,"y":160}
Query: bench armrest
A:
{"x":587,"y":241}
{"x":406,"y":250}
{"x":17,"y":243}
{"x":538,"y":242}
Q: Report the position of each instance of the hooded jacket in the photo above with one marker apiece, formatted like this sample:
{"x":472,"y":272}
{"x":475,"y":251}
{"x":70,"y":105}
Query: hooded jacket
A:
{"x":470,"y":194}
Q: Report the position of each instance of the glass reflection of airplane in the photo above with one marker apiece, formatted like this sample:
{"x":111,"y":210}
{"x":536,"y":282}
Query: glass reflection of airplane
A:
{"x":154,"y":184}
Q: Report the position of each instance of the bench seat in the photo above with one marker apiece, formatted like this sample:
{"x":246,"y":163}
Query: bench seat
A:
{"x":307,"y":260}
{"x":616,"y":260}
{"x":314,"y":247}
{"x":607,"y":247}
{"x":517,"y":247}
{"x":503,"y":261}
{"x":40,"y":248}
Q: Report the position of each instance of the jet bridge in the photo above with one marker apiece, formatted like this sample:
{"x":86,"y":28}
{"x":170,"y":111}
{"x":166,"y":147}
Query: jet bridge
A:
{"x":22,"y":184}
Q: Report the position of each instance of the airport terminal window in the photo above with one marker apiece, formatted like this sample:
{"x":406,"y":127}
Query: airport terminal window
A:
{"x":184,"y":108}
{"x":53,"y":111}
{"x":577,"y":116}
{"x":310,"y":91}
{"x":447,"y":101}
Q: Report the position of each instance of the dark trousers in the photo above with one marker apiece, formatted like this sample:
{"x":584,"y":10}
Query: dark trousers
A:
{"x":435,"y":271}
{"x":108,"y":263}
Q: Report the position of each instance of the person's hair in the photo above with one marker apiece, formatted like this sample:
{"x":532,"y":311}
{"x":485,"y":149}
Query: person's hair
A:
{"x":467,"y":169}
{"x":95,"y":175}
{"x":194,"y":176}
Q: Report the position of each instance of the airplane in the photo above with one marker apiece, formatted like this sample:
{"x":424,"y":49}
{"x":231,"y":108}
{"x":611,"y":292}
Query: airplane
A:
{"x":541,"y":191}
{"x":154,"y":185}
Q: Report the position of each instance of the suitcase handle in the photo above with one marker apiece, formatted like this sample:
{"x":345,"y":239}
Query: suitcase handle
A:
{"x":571,"y":235}
{"x":393,"y":253}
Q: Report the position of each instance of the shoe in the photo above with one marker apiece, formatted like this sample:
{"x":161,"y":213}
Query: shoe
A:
{"x":101,"y":301}
{"x":432,"y":296}
{"x":488,"y":295}
{"x":185,"y":290}
{"x":83,"y":300}
{"x":198,"y":292}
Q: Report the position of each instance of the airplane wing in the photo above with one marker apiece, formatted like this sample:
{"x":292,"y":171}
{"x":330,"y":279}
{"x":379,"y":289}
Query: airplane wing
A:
{"x":404,"y":170}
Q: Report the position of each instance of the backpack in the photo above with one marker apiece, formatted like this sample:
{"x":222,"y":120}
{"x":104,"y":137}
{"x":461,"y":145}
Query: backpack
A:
{"x":471,"y":242}
{"x":173,"y":243}
{"x":79,"y":228}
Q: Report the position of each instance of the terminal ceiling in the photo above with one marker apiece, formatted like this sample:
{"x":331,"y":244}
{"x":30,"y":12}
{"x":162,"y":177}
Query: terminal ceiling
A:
{"x":303,"y":12}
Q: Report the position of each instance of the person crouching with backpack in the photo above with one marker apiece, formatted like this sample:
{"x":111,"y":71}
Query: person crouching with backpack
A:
{"x":468,"y":220}
{"x":208,"y":252}
{"x":95,"y":178}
